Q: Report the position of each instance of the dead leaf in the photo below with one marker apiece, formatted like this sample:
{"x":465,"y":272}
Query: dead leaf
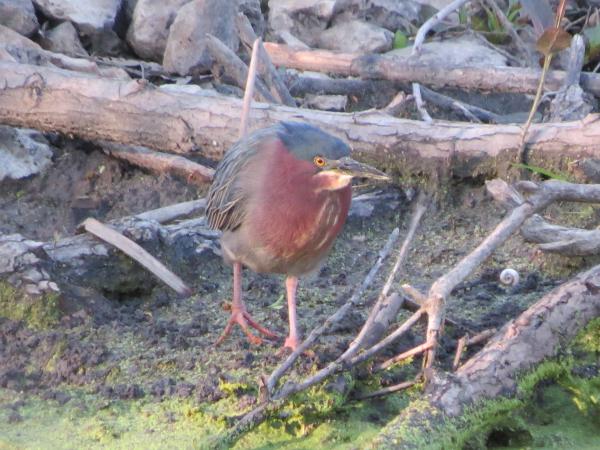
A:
{"x":553,"y":40}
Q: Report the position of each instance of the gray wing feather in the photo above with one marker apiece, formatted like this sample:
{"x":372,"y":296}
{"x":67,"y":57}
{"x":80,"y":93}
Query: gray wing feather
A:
{"x":226,"y":205}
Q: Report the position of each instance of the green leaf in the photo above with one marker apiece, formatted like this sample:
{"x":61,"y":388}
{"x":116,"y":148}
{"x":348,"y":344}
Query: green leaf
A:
{"x":279,"y":303}
{"x":541,"y":171}
{"x":400,"y":39}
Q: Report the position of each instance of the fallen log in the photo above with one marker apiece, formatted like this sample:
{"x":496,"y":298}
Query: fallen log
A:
{"x":408,"y":70}
{"x":184,"y":119}
{"x":522,"y":343}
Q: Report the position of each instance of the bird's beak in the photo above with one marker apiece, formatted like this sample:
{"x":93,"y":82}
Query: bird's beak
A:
{"x":357,"y":169}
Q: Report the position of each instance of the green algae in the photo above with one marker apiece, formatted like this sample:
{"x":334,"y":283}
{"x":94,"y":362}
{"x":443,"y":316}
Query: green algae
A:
{"x":553,"y":408}
{"x":38,"y":312}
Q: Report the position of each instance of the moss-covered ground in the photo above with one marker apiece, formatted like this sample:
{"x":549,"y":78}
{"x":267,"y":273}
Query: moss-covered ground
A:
{"x":142,"y":371}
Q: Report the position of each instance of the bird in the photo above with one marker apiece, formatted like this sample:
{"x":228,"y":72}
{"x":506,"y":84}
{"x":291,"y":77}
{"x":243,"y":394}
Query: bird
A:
{"x":280,"y":197}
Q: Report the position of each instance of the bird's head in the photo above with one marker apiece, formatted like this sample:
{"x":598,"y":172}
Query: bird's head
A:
{"x":332,"y":166}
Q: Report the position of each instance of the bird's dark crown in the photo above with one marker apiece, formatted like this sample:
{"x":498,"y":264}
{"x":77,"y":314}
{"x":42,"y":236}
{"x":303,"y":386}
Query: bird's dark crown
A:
{"x":307,"y":141}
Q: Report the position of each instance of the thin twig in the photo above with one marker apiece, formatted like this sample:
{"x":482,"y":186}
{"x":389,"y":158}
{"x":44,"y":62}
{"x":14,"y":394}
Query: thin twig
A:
{"x":433,"y":21}
{"x":402,"y":356}
{"x":266,"y":68}
{"x":249,"y":93}
{"x":416,"y":89}
{"x":137,"y":253}
{"x":460,"y":347}
{"x":388,"y":390}
{"x":473,"y":113}
{"x":467,"y":340}
{"x":414,"y":223}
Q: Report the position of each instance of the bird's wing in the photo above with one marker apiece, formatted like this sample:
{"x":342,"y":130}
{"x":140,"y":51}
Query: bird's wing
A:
{"x":227,"y":200}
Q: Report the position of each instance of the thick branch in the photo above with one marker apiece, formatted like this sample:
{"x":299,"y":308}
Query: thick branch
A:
{"x":408,"y":70}
{"x":180,"y":120}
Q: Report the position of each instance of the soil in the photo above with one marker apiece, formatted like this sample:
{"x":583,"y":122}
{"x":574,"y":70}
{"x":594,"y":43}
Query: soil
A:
{"x":155,"y":352}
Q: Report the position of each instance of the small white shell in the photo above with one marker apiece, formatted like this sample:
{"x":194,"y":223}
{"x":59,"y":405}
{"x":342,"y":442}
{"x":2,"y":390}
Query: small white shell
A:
{"x":509,"y":277}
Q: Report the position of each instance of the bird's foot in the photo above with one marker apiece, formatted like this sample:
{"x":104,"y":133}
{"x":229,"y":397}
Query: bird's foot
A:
{"x":290,"y":345}
{"x":243,"y":318}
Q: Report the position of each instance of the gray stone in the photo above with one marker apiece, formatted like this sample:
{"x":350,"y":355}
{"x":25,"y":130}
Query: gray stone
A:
{"x":147,"y":35}
{"x":305,"y":19}
{"x":128,"y":9}
{"x":186,"y":50}
{"x":356,"y":36}
{"x":326,"y":102}
{"x":10,"y":38}
{"x":19,"y":16}
{"x":22,"y":153}
{"x":251,"y":9}
{"x":462,"y":51}
{"x":89,"y":16}
{"x":391,"y":14}
{"x":63,"y":39}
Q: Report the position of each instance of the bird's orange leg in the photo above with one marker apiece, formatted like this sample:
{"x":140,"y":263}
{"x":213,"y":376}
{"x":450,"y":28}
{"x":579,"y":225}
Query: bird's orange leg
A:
{"x":292,"y":341}
{"x":239,"y":314}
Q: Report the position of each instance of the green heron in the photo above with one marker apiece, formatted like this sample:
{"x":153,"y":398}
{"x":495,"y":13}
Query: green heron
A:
{"x":281,"y":196}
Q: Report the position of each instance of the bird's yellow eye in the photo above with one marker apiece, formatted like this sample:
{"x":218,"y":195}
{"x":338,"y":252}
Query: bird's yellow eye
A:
{"x":319,"y":161}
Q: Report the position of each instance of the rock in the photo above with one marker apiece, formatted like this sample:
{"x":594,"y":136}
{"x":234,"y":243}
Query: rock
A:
{"x":22,"y":153}
{"x":19,"y":15}
{"x":89,"y":16}
{"x":463,"y":51}
{"x":150,"y":26}
{"x":326,"y":102}
{"x":305,"y":19}
{"x":356,"y":36}
{"x":10,"y":38}
{"x":391,"y":14}
{"x":251,"y":9}
{"x":63,"y":39}
{"x":186,"y":50}
{"x":128,"y":9}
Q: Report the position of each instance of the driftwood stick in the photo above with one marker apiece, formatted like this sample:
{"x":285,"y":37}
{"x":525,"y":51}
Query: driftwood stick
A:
{"x":301,"y":85}
{"x":335,"y":317}
{"x":467,"y":340}
{"x":416,"y":92}
{"x":160,"y":163}
{"x":249,"y":91}
{"x":419,"y":39}
{"x":387,"y":390}
{"x":460,"y":348}
{"x":136,"y":252}
{"x":266,"y":68}
{"x":433,"y":21}
{"x":404,"y":355}
{"x":235,"y":68}
{"x":558,"y":239}
{"x":408,"y":70}
{"x":471,"y":112}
